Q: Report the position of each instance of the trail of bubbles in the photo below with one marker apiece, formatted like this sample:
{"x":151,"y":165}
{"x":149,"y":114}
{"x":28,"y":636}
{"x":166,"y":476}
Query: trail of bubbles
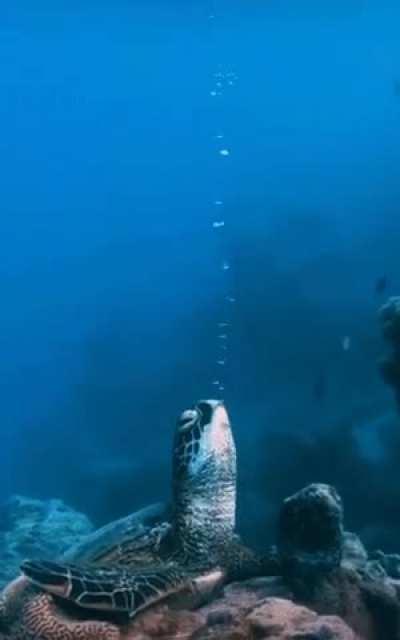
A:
{"x":223,"y":78}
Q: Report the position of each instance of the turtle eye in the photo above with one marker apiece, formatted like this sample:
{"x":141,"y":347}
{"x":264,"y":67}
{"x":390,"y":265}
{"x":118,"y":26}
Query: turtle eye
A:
{"x":205,"y":410}
{"x":187,"y":419}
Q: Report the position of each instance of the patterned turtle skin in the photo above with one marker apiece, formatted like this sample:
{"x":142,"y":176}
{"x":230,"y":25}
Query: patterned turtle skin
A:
{"x":192,"y":553}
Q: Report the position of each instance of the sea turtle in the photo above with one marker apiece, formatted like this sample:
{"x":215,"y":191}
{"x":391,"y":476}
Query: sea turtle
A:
{"x":185,"y":558}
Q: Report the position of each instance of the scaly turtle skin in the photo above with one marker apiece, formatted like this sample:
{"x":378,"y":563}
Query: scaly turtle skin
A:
{"x":184,"y":558}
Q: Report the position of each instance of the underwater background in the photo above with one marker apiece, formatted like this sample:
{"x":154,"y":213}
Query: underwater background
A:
{"x":116,"y":269}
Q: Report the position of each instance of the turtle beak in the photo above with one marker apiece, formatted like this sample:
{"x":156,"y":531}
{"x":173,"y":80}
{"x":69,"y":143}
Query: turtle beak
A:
{"x":221,"y":417}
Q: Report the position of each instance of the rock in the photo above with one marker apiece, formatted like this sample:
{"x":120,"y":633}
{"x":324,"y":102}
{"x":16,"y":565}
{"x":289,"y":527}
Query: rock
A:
{"x":382,"y":601}
{"x":355,"y":557}
{"x":389,"y":562}
{"x":278,"y":619}
{"x":329,"y":571}
{"x":354,"y":554}
{"x":369,"y":606}
{"x":34,"y":528}
{"x":375,"y":571}
{"x":219,"y":617}
{"x":310,"y":532}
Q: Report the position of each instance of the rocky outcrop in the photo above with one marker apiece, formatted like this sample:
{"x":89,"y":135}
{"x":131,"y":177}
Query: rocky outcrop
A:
{"x":354,"y":554}
{"x":370,"y":606}
{"x":282,"y":619}
{"x":36,"y":529}
{"x":310,"y":532}
{"x":328,"y":569}
{"x":388,"y":562}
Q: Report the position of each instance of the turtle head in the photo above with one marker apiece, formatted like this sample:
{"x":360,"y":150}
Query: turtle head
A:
{"x":204,"y":477}
{"x":203,"y":440}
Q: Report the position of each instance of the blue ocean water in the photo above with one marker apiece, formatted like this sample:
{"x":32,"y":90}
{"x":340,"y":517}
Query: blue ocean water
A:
{"x":114,"y":274}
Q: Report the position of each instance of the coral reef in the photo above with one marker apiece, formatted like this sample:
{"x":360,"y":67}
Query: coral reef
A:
{"x":36,"y":529}
{"x":329,"y":588}
{"x":328,"y":569}
{"x":310,"y":532}
{"x":389,"y":316}
{"x":389,"y":563}
{"x":354,"y":554}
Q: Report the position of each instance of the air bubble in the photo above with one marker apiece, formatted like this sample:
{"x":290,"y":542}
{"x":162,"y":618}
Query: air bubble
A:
{"x":346,"y":343}
{"x":224,"y":152}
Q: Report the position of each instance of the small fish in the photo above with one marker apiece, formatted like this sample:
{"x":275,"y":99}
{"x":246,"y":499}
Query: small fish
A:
{"x":319,"y":388}
{"x":381,"y":284}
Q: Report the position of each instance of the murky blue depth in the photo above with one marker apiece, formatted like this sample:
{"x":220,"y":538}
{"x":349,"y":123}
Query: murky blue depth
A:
{"x":198,"y":199}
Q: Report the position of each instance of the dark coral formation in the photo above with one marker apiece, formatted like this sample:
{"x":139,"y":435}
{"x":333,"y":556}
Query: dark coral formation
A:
{"x":310,"y":532}
{"x":328,"y":569}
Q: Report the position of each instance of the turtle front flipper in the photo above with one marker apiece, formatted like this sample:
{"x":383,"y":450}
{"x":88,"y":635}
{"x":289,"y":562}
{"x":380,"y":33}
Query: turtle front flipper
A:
{"x":112,"y":590}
